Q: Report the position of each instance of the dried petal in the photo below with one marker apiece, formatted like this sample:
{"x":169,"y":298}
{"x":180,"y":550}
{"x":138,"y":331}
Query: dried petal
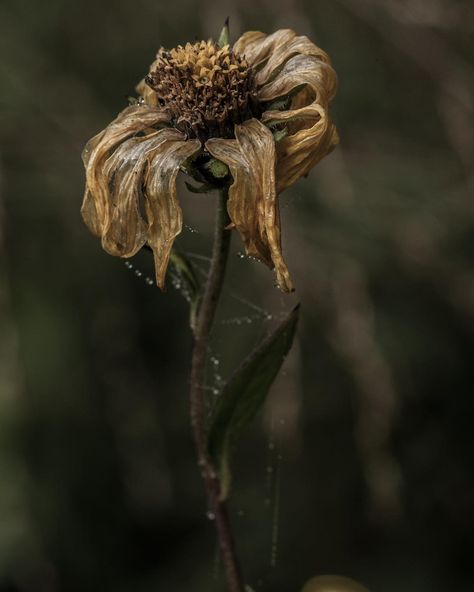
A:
{"x":311,"y":134}
{"x":96,"y":207}
{"x":267,"y":53}
{"x":163,"y":211}
{"x":252,"y":204}
{"x":124,"y":234}
{"x":318,"y":76}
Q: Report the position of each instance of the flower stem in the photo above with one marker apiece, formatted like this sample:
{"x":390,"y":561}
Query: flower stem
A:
{"x":207,"y":310}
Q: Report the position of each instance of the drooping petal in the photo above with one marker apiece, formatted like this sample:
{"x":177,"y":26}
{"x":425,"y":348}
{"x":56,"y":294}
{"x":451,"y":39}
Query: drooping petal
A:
{"x":96,"y":207}
{"x":252,"y":203}
{"x":311,"y":135}
{"x":267,"y":53}
{"x":123,"y":171}
{"x":317,"y":76}
{"x":163,"y":212}
{"x":300,"y":152}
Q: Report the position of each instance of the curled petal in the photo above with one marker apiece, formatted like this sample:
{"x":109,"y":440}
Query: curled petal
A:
{"x":318,"y":77}
{"x":310,"y":133}
{"x":252,"y":203}
{"x":300,"y":152}
{"x":163,"y":211}
{"x":267,"y":53}
{"x":96,"y":207}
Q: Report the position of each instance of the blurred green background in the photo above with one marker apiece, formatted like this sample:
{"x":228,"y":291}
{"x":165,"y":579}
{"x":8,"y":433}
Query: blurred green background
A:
{"x":361,"y":462}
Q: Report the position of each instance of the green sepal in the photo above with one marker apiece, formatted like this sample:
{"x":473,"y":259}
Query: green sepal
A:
{"x":244,"y":394}
{"x":279,"y":134}
{"x":224,"y":36}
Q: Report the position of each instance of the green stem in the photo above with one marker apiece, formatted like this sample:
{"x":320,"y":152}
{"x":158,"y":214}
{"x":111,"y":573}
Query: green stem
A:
{"x":202,"y":332}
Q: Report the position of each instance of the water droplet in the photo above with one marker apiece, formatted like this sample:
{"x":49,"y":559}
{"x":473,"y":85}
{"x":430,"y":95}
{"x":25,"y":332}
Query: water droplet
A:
{"x":191,"y":229}
{"x":210,"y":515}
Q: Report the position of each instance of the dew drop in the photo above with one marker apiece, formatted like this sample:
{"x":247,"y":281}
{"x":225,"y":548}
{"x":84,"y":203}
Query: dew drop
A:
{"x":210,"y":515}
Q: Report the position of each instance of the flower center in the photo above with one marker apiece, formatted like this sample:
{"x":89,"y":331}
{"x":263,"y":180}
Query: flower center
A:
{"x":205,"y":88}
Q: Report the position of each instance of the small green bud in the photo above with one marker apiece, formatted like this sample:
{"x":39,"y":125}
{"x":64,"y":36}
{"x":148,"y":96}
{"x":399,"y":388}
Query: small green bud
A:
{"x":218,"y":169}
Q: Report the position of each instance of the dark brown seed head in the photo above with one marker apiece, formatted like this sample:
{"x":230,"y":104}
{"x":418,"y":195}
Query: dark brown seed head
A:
{"x":206,"y":89}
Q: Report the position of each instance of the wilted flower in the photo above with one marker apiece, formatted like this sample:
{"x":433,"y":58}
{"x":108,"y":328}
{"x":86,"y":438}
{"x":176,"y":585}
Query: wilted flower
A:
{"x":260,"y":107}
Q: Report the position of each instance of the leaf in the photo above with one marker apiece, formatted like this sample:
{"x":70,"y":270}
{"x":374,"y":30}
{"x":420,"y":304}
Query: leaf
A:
{"x":191,"y":285}
{"x":245,"y":392}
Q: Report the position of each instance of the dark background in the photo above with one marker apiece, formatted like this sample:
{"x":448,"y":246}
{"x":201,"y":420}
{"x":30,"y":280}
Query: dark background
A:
{"x":361,"y":462}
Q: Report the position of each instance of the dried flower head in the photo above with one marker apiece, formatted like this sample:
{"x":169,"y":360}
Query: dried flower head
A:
{"x":260,"y":107}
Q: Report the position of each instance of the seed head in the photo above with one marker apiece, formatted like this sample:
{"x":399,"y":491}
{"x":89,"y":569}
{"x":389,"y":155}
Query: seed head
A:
{"x":206,"y":89}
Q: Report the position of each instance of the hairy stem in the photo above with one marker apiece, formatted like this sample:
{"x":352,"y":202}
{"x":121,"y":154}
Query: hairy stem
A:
{"x":202,"y":332}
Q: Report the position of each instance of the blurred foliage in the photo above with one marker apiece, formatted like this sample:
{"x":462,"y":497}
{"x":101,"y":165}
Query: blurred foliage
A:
{"x":361,"y":463}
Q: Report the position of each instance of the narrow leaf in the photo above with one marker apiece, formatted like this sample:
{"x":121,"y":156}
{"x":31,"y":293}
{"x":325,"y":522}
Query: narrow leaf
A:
{"x":245,"y":392}
{"x":190,"y":284}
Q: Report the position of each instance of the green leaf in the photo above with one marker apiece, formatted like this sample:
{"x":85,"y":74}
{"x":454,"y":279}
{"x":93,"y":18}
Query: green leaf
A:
{"x":245,"y":392}
{"x":190,"y":284}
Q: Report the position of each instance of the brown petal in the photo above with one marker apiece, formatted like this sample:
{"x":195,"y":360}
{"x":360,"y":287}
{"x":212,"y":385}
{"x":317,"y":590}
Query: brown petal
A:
{"x":252,"y":203}
{"x":317,"y":76}
{"x":125,"y":232}
{"x":311,"y":134}
{"x":163,"y":211}
{"x":269,"y":52}
{"x":300,"y":152}
{"x":96,"y":207}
